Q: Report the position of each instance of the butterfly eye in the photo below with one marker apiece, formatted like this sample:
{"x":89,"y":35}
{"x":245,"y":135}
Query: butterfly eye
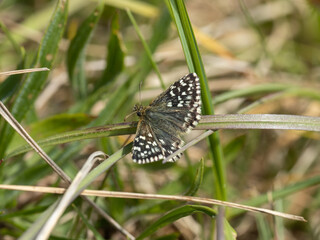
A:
{"x":139,"y":114}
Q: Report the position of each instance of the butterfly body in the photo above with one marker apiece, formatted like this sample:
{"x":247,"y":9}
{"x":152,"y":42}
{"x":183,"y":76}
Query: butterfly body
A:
{"x":175,"y":111}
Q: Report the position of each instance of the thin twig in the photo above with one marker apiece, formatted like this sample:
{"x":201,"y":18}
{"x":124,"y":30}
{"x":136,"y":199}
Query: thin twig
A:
{"x":115,"y":194}
{"x":21,"y":71}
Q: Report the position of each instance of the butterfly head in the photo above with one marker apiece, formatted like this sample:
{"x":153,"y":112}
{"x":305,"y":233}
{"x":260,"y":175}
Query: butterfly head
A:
{"x":139,"y":110}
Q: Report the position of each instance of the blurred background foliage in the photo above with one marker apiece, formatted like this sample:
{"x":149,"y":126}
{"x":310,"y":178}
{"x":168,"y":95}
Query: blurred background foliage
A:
{"x":259,"y":57}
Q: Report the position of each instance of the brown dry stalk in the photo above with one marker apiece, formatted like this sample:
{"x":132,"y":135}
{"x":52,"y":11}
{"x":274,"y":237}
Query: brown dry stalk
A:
{"x":115,"y":194}
{"x":28,"y":70}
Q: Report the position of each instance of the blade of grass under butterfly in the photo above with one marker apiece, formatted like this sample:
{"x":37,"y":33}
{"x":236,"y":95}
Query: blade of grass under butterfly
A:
{"x":260,"y":121}
{"x":229,"y":121}
{"x":77,"y":135}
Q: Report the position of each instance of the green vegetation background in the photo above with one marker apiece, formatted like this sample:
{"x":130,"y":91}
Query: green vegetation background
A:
{"x":251,"y":56}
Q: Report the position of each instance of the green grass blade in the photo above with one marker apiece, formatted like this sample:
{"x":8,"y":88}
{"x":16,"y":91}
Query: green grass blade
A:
{"x":75,"y":55}
{"x":11,"y":84}
{"x":115,"y":56}
{"x":105,"y":165}
{"x":13,"y":42}
{"x":85,"y":220}
{"x":193,"y":57}
{"x":32,"y":231}
{"x":230,"y":121}
{"x":175,"y":215}
{"x":139,"y":7}
{"x":284,"y":89}
{"x":23,"y":212}
{"x":77,"y":135}
{"x":263,"y":227}
{"x":51,"y":126}
{"x":159,"y":35}
{"x":34,"y":83}
{"x":260,"y":121}
{"x":116,"y":100}
{"x":279,"y":193}
{"x":249,"y":91}
{"x":146,"y":48}
{"x":178,"y":21}
{"x":229,"y":232}
{"x":279,"y":222}
{"x":197,"y":180}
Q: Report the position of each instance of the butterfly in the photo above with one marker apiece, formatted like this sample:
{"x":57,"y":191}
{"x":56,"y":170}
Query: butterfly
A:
{"x":174,"y":112}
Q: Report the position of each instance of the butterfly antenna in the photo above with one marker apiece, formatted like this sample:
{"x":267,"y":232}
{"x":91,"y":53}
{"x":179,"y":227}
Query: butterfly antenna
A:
{"x":140,"y":85}
{"x":136,"y":107}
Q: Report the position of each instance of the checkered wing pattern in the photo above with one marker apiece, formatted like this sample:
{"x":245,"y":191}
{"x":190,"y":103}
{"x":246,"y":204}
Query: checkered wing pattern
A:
{"x":175,"y":111}
{"x":151,"y":146}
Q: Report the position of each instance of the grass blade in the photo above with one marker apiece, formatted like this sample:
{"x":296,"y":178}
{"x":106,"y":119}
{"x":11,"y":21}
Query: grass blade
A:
{"x":175,"y":215}
{"x":115,"y":56}
{"x":35,"y":81}
{"x":197,"y":180}
{"x":193,"y":58}
{"x":75,"y":55}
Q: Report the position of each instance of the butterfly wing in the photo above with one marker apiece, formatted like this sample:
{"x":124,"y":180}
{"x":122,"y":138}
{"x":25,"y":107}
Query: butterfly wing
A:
{"x":179,"y":105}
{"x":151,"y":145}
{"x":175,"y":111}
